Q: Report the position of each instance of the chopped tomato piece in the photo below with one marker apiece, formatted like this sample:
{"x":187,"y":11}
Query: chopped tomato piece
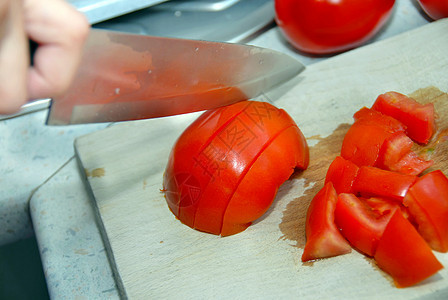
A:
{"x":372,"y":181}
{"x":384,"y":205}
{"x":342,"y":174}
{"x":396,"y":155}
{"x":323,"y":238}
{"x":364,"y":139}
{"x":427,"y":201}
{"x":374,"y":117}
{"x":404,"y":254}
{"x":418,"y":118}
{"x":359,"y":223}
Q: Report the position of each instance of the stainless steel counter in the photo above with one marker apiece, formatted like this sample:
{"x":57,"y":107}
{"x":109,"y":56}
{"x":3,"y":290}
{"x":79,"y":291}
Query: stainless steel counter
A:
{"x":41,"y":179}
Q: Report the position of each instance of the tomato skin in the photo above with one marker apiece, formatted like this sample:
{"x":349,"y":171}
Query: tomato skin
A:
{"x":342,"y":174}
{"x":403,"y":253}
{"x":373,"y":117}
{"x":216,"y":157}
{"x":418,"y":118}
{"x":363,"y":141}
{"x":373,"y":181}
{"x":326,"y":26}
{"x":286,"y":151}
{"x":427,"y":201}
{"x":359,"y":223}
{"x":436,"y":9}
{"x":323,"y":238}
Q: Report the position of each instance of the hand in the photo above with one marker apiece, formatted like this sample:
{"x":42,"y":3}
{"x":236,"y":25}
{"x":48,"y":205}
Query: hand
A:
{"x":59,"y":30}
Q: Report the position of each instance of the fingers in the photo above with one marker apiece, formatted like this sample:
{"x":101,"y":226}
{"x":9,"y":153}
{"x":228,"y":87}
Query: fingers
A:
{"x":13,"y":57}
{"x":60,"y":30}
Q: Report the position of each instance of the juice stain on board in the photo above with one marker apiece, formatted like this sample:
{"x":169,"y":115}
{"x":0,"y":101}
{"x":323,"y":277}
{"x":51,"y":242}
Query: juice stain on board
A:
{"x":322,"y":154}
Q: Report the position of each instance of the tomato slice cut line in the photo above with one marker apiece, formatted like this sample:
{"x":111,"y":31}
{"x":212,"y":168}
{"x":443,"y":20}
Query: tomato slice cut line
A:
{"x":249,"y":165}
{"x":212,"y":137}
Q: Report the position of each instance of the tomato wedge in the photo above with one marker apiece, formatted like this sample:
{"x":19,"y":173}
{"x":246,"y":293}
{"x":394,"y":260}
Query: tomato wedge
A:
{"x":359,"y":223}
{"x":364,"y":139}
{"x":285,"y":151}
{"x":404,"y":254}
{"x":418,"y":118}
{"x":396,"y":155}
{"x":427,"y":201}
{"x":374,"y":117}
{"x":342,"y":174}
{"x":372,"y":181}
{"x":323,"y":238}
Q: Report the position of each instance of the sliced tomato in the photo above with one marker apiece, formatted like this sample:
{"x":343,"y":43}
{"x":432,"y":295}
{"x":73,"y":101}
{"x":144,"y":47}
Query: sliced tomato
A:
{"x":323,"y":238}
{"x":342,"y":174}
{"x":396,"y":155}
{"x":364,"y":139}
{"x":374,"y":117}
{"x":359,"y":223}
{"x":285,"y":151}
{"x":220,"y":157}
{"x":404,"y":254}
{"x":418,"y":118}
{"x":427,"y":201}
{"x":384,"y":205}
{"x":372,"y":181}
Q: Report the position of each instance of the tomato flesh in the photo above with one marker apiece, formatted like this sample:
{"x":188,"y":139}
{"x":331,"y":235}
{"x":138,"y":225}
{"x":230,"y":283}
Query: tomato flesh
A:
{"x":383,"y":205}
{"x":396,"y":155}
{"x":427,"y":201}
{"x":225,"y":153}
{"x":326,"y":26}
{"x":373,"y":181}
{"x":359,"y":223}
{"x":342,"y":174}
{"x":403,"y":253}
{"x":323,"y":238}
{"x":418,"y":118}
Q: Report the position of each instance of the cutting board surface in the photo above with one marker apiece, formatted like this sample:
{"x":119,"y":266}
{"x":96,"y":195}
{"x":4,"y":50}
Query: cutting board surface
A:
{"x":155,"y":256}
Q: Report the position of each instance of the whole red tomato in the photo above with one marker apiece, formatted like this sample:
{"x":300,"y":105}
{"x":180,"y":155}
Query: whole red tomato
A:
{"x":330,"y":26}
{"x":436,"y":9}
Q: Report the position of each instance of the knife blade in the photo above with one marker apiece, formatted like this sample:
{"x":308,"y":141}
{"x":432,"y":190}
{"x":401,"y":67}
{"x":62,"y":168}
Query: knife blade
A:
{"x":129,"y":77}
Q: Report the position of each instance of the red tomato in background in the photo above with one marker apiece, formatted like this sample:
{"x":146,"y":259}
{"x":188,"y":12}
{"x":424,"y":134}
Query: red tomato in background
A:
{"x":328,"y":26}
{"x":436,"y":9}
{"x":323,"y":239}
{"x":225,"y":169}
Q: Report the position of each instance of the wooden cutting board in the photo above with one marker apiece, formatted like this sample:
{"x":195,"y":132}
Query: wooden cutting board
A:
{"x":154,"y":256}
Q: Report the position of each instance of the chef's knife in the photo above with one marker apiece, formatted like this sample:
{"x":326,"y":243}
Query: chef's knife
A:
{"x":128,"y":77}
